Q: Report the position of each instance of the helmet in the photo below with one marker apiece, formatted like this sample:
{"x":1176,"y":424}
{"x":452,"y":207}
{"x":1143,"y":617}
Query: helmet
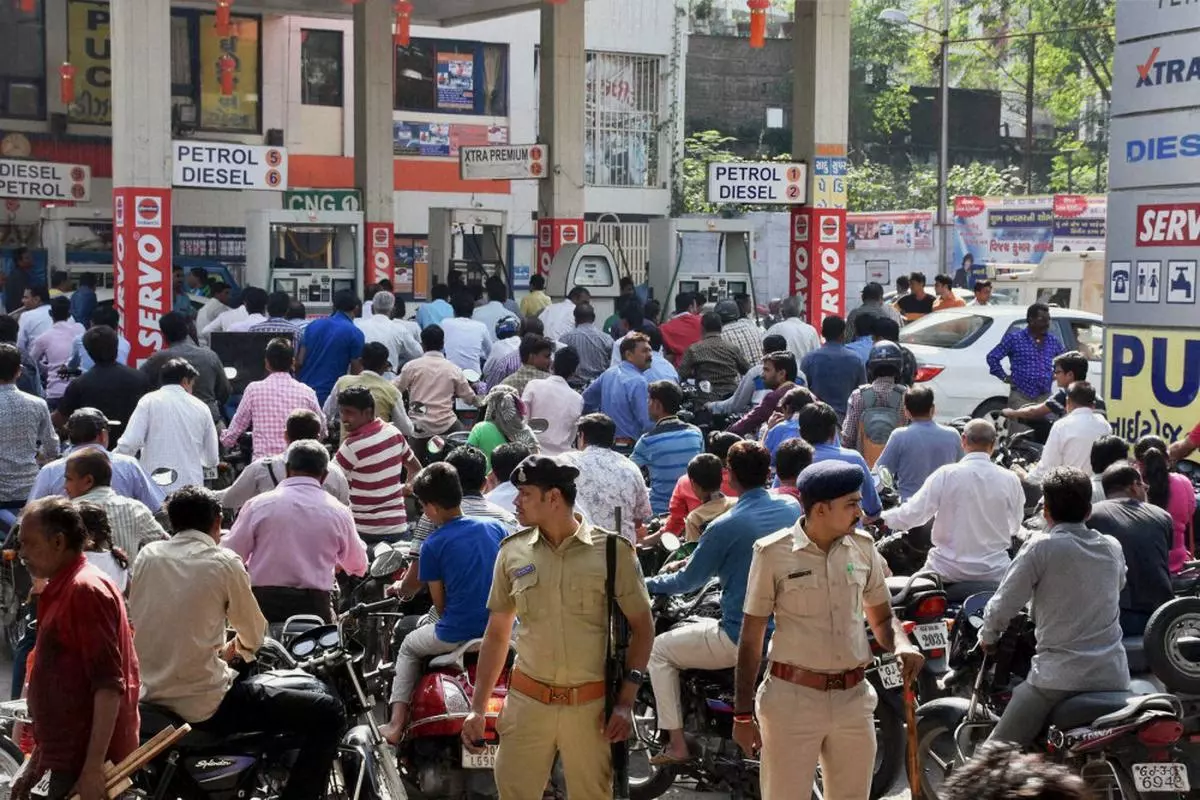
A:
{"x":728,"y":311}
{"x":506,"y":327}
{"x":885,"y":353}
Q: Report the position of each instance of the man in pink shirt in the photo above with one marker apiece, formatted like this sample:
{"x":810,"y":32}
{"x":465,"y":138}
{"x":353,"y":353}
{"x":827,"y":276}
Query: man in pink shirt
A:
{"x":52,"y":349}
{"x":267,"y":404}
{"x":294,"y":537}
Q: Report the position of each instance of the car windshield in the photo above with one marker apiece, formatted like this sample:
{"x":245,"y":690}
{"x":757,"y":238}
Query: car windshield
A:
{"x":945,"y":329}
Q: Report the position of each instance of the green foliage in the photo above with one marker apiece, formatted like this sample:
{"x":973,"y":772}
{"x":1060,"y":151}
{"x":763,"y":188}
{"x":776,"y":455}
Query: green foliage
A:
{"x":872,"y":186}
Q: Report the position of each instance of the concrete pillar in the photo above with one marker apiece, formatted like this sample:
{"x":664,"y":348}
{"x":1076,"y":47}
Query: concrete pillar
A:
{"x":374,"y":162}
{"x":561,"y":64}
{"x":821,"y":103}
{"x":141,"y":151}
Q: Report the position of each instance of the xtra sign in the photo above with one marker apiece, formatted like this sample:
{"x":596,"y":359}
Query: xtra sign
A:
{"x":1153,"y":381}
{"x":1156,"y":74}
{"x":224,"y":165}
{"x":142,"y":289}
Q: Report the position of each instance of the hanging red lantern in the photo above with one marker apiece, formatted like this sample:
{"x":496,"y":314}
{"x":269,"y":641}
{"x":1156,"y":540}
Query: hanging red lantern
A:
{"x":557,"y":2}
{"x":66,"y":86}
{"x":758,"y":22}
{"x":27,"y":6}
{"x":223,"y":17}
{"x":403,"y":9}
{"x":226,"y":64}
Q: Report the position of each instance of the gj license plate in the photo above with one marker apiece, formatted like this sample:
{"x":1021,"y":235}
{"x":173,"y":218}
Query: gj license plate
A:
{"x":484,"y":760}
{"x":890,"y":675}
{"x":1161,"y":778}
{"x":932,"y":636}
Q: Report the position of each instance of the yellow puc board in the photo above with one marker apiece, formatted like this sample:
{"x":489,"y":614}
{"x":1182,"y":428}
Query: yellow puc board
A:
{"x":1152,"y":381}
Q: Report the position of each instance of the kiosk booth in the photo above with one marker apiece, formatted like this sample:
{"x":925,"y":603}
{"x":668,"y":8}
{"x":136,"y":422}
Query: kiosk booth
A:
{"x":310,"y":255}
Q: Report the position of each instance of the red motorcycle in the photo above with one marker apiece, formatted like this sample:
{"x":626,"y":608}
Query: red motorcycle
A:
{"x":432,"y":758}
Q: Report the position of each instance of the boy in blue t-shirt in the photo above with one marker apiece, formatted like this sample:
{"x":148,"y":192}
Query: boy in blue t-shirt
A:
{"x":456,"y":562}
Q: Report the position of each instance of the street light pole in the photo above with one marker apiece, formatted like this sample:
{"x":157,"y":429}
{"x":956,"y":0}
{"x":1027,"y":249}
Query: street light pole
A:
{"x":944,"y":144}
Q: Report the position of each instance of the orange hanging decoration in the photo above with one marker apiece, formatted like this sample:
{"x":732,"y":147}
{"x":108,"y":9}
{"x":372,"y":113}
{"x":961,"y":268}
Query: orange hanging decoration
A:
{"x":227,"y":65}
{"x":758,"y":22}
{"x":403,"y":9}
{"x":66,"y":87}
{"x":223,"y":17}
{"x":557,"y":2}
{"x":27,"y":6}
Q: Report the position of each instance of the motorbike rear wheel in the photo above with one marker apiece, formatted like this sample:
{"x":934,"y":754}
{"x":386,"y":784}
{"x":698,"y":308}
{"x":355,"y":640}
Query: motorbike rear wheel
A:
{"x":647,"y":781}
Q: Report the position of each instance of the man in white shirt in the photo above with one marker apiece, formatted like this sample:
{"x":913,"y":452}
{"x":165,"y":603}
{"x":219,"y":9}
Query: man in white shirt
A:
{"x":505,"y":458}
{"x":978,"y":506}
{"x":801,"y":337}
{"x":468,"y":340}
{"x":1071,"y":438}
{"x":380,"y":327}
{"x":494,"y":309}
{"x":172,"y":429}
{"x":222,"y":296}
{"x":608,"y":479}
{"x":254,"y":302}
{"x":559,"y":318}
{"x":35,"y":318}
{"x":554,"y":401}
{"x":224,"y":322}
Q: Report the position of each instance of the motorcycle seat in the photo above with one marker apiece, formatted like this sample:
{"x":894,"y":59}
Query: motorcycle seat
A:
{"x":1135,"y":707}
{"x":155,"y":718}
{"x":902,"y":587}
{"x":1135,"y":654}
{"x":456,"y":656}
{"x":1086,"y":707}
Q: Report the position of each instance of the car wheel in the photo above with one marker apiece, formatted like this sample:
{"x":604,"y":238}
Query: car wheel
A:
{"x":993,"y":406}
{"x":1171,"y":643}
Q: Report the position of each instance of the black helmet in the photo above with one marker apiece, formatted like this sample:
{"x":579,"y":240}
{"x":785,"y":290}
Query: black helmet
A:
{"x":506,"y":327}
{"x":728,"y":311}
{"x":885,"y":353}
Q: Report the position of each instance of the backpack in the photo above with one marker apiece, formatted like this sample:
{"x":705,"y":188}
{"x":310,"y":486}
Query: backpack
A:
{"x":881,"y":415}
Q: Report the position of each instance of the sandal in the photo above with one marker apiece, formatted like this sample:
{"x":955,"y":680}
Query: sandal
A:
{"x":665,"y":759}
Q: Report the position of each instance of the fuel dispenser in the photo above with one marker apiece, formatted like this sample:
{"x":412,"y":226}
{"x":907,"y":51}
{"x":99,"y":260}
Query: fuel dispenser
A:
{"x":591,"y":266}
{"x":471,"y":241}
{"x":710,"y":257}
{"x":310,"y":255}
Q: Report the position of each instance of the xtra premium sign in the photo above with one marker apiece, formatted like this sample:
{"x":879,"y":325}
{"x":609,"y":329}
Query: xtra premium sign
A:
{"x":224,"y":165}
{"x":503,"y":162}
{"x":44,"y":180}
{"x":1158,"y":150}
{"x":1158,"y":73}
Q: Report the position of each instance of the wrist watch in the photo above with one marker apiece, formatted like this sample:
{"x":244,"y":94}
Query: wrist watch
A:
{"x":636,"y":677}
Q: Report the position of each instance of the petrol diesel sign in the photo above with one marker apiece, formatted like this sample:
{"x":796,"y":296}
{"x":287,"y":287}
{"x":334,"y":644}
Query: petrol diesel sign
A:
{"x":763,"y":183}
{"x":225,"y":165}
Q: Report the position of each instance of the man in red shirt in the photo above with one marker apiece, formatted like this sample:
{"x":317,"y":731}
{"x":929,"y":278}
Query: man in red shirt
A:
{"x":1186,"y":446}
{"x":83,"y":686}
{"x":682,"y":330}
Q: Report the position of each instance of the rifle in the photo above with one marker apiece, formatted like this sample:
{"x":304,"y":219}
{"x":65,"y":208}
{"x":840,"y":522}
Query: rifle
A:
{"x":614,"y":661}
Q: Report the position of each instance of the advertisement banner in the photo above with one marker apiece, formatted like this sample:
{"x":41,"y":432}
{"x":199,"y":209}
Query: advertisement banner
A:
{"x":1080,"y":222}
{"x":238,"y":111}
{"x":818,"y":250}
{"x":455,"y":81}
{"x":89,"y":51}
{"x":380,"y":253}
{"x":552,"y":235}
{"x":1152,"y":381}
{"x":442,"y":139}
{"x":142,"y":290}
{"x":904,"y":230}
{"x":412,"y":266}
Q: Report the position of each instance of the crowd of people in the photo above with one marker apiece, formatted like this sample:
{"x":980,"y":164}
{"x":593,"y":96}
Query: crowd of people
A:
{"x":574,"y":427}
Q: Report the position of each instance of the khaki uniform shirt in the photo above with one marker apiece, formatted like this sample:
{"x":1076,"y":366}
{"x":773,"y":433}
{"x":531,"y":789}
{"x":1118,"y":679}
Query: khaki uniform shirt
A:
{"x":817,"y":598}
{"x":558,"y":594}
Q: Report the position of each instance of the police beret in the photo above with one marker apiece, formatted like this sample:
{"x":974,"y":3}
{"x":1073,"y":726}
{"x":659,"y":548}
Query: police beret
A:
{"x":827,"y":480}
{"x":544,"y":471}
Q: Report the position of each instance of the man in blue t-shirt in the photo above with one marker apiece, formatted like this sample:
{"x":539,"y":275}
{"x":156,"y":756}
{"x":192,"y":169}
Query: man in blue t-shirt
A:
{"x":666,"y":449}
{"x":457,"y":561}
{"x":331,"y":347}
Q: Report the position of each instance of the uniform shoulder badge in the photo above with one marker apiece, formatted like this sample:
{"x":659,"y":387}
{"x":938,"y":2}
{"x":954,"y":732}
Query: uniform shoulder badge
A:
{"x":516,"y":537}
{"x":773,"y":538}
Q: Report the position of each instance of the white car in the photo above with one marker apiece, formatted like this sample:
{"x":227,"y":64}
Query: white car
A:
{"x":951,"y":347}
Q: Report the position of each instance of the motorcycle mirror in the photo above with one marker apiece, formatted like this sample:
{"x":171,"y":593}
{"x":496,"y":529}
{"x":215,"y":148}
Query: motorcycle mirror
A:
{"x":231,"y":372}
{"x":706,"y":386}
{"x":471,"y":375}
{"x":539,"y":425}
{"x":164,"y":476}
{"x":435,"y":445}
{"x":670,"y":542}
{"x":885,"y":478}
{"x":387,"y":564}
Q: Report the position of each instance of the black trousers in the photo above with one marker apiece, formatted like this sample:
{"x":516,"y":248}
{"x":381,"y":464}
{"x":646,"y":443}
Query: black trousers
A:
{"x":317,"y":718}
{"x":280,"y":602}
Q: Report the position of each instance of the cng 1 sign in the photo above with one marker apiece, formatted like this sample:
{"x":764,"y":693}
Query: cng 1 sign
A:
{"x":322,"y":200}
{"x":765,"y":183}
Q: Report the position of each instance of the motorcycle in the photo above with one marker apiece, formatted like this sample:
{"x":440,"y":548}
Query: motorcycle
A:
{"x":202,"y":766}
{"x":1121,"y":744}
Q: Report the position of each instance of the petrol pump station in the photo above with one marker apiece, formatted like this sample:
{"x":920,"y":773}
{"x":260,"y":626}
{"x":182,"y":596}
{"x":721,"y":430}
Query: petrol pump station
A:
{"x":472,"y":241}
{"x":710,"y":257}
{"x":310,"y":255}
{"x":591,"y":266}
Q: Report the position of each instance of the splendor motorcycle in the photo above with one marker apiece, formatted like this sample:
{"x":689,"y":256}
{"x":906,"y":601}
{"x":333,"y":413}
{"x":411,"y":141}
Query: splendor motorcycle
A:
{"x":254,"y":764}
{"x":1123,"y":745}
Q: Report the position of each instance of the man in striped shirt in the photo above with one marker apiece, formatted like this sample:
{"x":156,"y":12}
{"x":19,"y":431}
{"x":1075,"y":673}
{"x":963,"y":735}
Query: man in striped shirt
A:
{"x":88,"y":477}
{"x":668,"y":447}
{"x":374,"y":455}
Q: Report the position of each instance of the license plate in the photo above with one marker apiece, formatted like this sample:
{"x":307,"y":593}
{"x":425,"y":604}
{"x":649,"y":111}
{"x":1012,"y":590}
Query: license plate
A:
{"x":42,"y":787}
{"x":1161,"y":778}
{"x":890,"y":674}
{"x":932,"y":636}
{"x":484,"y":760}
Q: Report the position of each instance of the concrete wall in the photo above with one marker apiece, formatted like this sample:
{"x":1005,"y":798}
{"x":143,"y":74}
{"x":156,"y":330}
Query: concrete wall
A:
{"x":730,"y":85}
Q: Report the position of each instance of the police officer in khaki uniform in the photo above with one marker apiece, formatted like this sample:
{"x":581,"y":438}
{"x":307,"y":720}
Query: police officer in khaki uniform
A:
{"x":817,"y":578}
{"x":551,"y":576}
